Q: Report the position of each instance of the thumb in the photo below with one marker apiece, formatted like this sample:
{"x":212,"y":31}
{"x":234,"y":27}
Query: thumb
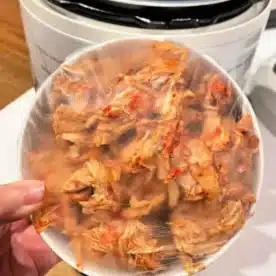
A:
{"x":20,"y":199}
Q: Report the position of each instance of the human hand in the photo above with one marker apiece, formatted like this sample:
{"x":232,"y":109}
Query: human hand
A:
{"x":22,"y":251}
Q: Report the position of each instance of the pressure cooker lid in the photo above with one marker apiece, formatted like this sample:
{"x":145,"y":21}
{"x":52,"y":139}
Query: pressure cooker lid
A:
{"x":157,"y":16}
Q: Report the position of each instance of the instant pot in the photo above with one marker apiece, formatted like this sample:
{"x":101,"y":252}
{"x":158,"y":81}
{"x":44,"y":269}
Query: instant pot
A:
{"x":227,"y":30}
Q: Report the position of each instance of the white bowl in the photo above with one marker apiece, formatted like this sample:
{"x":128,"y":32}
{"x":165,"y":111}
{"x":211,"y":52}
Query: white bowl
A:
{"x":36,"y":118}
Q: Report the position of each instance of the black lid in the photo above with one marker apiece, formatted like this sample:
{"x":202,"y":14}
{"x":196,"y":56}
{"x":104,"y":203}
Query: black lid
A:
{"x":153,"y":17}
{"x":168,"y":3}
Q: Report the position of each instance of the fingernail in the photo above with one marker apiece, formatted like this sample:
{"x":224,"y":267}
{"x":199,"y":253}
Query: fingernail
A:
{"x":35,"y":193}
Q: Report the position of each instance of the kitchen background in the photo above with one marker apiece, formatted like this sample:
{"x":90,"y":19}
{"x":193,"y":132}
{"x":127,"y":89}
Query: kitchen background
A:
{"x":15,"y":72}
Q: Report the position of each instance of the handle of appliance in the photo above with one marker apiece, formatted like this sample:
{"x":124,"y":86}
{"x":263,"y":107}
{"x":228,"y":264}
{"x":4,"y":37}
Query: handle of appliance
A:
{"x":266,"y":75}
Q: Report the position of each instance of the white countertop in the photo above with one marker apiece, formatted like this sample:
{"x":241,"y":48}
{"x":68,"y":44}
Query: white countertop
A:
{"x":273,"y":4}
{"x":254,"y":253}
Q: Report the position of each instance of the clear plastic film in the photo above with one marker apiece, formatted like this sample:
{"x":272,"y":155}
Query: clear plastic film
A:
{"x":149,"y":154}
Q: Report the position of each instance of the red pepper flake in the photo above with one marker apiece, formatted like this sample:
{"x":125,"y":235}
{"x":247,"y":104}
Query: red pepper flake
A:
{"x":171,"y":141}
{"x":138,"y":159}
{"x":172,"y":63}
{"x":135,"y":102}
{"x":174,"y":173}
{"x":107,"y":109}
{"x":218,"y":130}
{"x":218,"y":86}
{"x":108,"y":112}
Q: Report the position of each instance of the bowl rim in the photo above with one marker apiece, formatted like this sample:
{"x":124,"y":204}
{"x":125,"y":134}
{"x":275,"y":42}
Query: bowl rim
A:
{"x":46,"y":235}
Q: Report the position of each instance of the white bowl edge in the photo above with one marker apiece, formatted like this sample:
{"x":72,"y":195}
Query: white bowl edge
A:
{"x":68,"y":256}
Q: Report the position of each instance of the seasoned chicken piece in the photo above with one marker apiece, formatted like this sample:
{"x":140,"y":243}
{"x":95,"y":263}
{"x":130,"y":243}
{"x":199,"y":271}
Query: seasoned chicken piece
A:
{"x":181,"y":154}
{"x":101,"y":174}
{"x":145,"y":262}
{"x":132,"y":240}
{"x":80,"y":180}
{"x":235,"y":190}
{"x":139,"y":151}
{"x":94,"y":131}
{"x":220,"y":134}
{"x":202,"y":228}
{"x":82,"y":195}
{"x":221,"y":140}
{"x":191,"y":238}
{"x":220,"y":94}
{"x":146,"y":193}
{"x":212,"y":122}
{"x":78,"y":155}
{"x":190,"y":187}
{"x":190,"y":265}
{"x":224,"y":161}
{"x":208,"y":180}
{"x":96,"y":218}
{"x":245,"y":124}
{"x":97,"y":177}
{"x":253,"y":143}
{"x":171,"y":140}
{"x":66,"y":120}
{"x":140,"y":208}
{"x":99,"y":201}
{"x":173,"y":193}
{"x":201,"y":249}
{"x":103,"y":238}
{"x":199,"y":153}
{"x":172,"y":105}
{"x":232,"y":216}
{"x":106,"y":133}
{"x":243,"y":160}
{"x":47,"y":216}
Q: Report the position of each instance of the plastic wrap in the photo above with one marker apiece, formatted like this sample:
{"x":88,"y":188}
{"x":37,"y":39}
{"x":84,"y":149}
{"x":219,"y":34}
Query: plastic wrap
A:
{"x":150,"y":157}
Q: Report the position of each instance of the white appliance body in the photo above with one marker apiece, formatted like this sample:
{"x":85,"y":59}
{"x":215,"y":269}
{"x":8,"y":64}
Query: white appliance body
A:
{"x":52,"y":34}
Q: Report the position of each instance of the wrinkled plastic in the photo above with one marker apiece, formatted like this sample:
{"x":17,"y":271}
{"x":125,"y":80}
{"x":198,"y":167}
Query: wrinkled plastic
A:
{"x":149,"y":155}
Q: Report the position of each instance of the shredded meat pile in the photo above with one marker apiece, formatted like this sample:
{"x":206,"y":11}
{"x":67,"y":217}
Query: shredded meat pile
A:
{"x":147,"y":163}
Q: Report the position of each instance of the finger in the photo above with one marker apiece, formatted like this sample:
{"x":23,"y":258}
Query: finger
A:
{"x":7,"y":230}
{"x":33,"y":245}
{"x":24,"y":212}
{"x":4,"y":240}
{"x":20,"y":225}
{"x":20,"y":199}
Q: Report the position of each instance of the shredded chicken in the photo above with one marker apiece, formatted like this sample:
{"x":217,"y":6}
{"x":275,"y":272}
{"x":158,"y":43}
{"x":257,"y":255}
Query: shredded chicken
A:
{"x":150,"y":159}
{"x":200,"y":230}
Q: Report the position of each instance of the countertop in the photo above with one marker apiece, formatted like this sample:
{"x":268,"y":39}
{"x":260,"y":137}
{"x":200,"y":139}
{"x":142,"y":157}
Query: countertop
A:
{"x":15,"y":73}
